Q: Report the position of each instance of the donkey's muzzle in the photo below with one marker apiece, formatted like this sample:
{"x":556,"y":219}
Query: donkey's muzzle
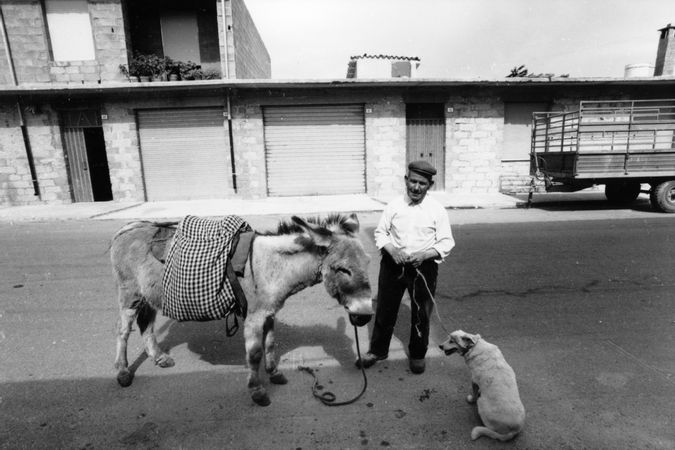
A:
{"x":359,"y":320}
{"x":360,"y":311}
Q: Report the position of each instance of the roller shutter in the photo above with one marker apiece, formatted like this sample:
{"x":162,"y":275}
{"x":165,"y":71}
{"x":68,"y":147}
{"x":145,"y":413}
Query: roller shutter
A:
{"x":185,"y":153}
{"x":315,"y":150}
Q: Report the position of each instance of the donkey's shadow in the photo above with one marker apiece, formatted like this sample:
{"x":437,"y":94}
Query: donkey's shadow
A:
{"x":209,"y":340}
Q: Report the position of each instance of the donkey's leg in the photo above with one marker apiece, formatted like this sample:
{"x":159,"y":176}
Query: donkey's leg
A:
{"x":253,"y":336}
{"x":271,"y":363}
{"x":124,"y":375}
{"x":146,"y":325}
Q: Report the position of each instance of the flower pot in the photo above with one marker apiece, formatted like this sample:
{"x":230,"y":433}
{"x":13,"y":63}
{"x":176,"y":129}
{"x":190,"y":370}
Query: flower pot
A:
{"x":173,"y":77}
{"x":144,"y":78}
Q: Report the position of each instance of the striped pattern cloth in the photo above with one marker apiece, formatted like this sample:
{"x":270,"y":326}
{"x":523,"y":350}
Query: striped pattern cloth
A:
{"x":195,"y":282}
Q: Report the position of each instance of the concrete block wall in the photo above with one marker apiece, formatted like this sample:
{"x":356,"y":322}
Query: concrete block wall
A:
{"x":5,"y":69}
{"x":26,"y":34}
{"x":110,"y":39}
{"x":251,"y":59}
{"x":16,"y":186}
{"x":474,"y":135}
{"x":385,"y":146}
{"x":48,"y":154}
{"x":665,"y":54}
{"x":514,"y":177}
{"x":249,"y":148}
{"x":122,"y":147}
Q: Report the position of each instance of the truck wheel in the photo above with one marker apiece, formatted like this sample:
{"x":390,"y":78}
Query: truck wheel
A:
{"x":662,"y":196}
{"x":622,"y":192}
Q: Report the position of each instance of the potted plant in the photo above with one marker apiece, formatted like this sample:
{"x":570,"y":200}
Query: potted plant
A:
{"x":138,"y":68}
{"x":157,"y":66}
{"x":186,"y":70}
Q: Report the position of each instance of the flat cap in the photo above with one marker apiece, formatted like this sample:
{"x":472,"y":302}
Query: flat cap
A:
{"x":423,"y":168}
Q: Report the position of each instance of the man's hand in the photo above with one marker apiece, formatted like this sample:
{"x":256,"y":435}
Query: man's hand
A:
{"x":398,"y":255}
{"x":416,"y":259}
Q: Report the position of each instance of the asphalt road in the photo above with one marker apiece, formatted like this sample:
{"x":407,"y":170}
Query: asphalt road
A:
{"x":582,"y":309}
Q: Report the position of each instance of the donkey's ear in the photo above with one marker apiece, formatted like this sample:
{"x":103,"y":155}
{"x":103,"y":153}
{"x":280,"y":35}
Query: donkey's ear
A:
{"x":319,"y":235}
{"x":351,"y":224}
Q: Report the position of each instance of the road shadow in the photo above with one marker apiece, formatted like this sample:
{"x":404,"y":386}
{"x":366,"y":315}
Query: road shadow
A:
{"x":210,"y":342}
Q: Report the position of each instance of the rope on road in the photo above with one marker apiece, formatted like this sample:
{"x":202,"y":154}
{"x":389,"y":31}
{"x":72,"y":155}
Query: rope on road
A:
{"x":327,"y":397}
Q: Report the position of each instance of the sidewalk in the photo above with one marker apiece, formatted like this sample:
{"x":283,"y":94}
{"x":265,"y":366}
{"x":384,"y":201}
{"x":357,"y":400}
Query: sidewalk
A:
{"x":218,"y":207}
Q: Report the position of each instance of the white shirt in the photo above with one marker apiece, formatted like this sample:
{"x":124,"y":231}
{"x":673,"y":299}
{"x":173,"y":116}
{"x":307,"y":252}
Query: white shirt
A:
{"x":413,"y":228}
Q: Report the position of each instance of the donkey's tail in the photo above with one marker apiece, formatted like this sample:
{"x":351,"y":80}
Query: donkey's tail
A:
{"x":482,"y":431}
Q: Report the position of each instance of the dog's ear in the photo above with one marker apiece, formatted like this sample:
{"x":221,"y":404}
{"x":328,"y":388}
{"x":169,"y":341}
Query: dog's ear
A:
{"x":468,"y":341}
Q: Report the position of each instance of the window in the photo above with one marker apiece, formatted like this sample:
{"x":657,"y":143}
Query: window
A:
{"x":70,"y":30}
{"x":400,"y":69}
{"x":180,"y":35}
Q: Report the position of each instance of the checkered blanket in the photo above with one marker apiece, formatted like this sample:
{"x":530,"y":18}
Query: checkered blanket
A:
{"x":196,"y":286}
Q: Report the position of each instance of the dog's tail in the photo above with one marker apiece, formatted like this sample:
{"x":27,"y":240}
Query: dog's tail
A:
{"x":482,"y":431}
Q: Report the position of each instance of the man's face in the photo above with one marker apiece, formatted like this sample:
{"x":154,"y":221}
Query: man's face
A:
{"x":417,"y":186}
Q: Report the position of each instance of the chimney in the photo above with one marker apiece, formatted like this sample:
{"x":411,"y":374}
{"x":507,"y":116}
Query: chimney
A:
{"x":665,"y":55}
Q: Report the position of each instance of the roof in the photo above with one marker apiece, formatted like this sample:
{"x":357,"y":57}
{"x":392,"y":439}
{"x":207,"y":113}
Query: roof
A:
{"x":398,"y":58}
{"x":219,"y":86}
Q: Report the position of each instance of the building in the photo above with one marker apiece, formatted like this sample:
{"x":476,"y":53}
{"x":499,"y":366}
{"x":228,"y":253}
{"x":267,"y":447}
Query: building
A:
{"x":77,"y":129}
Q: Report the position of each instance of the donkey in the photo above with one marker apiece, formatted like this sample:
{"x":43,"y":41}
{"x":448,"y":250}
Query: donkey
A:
{"x":299,"y":254}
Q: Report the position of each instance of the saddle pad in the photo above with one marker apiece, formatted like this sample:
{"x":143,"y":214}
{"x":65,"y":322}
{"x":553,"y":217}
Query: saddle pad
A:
{"x":195,"y":280}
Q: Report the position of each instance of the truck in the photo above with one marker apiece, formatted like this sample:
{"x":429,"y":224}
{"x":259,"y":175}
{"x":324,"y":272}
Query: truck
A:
{"x":624,"y":145}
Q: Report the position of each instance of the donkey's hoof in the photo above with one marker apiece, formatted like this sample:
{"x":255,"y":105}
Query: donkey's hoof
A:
{"x":125,"y":377}
{"x":164,"y":360}
{"x":278,"y":378}
{"x":260,"y":397}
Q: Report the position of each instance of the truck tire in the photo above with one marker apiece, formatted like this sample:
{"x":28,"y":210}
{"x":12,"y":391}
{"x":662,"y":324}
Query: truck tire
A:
{"x":622,"y":192}
{"x":662,"y":196}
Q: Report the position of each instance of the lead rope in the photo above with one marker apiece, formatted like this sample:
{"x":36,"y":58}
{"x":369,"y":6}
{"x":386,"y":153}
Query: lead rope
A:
{"x":327,"y":397}
{"x":440,"y":321}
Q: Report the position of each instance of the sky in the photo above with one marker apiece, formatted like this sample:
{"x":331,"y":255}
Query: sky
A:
{"x":485,"y":39}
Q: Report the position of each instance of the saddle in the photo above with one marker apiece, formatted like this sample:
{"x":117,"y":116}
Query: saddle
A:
{"x":202,"y":265}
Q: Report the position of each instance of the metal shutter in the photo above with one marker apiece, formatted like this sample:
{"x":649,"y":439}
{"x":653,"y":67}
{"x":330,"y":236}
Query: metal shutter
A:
{"x":315,"y":150}
{"x":185,"y":154}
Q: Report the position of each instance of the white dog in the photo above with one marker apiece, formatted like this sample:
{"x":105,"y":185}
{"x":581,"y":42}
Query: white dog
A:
{"x":494,"y":386}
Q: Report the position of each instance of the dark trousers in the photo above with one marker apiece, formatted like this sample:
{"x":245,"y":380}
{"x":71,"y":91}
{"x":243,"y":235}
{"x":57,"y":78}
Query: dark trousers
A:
{"x":393,"y":281}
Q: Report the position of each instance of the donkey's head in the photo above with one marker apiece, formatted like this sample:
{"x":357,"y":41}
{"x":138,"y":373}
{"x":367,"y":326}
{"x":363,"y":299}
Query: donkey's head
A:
{"x":345,"y":264}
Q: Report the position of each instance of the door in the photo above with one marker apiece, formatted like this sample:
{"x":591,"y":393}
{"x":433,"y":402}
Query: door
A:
{"x":315,"y":150}
{"x":185,"y":154}
{"x":85,"y":150}
{"x":518,"y":129}
{"x":425,"y":137}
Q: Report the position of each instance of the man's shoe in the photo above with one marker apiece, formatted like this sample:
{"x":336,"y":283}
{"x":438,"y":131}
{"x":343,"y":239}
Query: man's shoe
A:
{"x":417,"y":365}
{"x":368,"y":360}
